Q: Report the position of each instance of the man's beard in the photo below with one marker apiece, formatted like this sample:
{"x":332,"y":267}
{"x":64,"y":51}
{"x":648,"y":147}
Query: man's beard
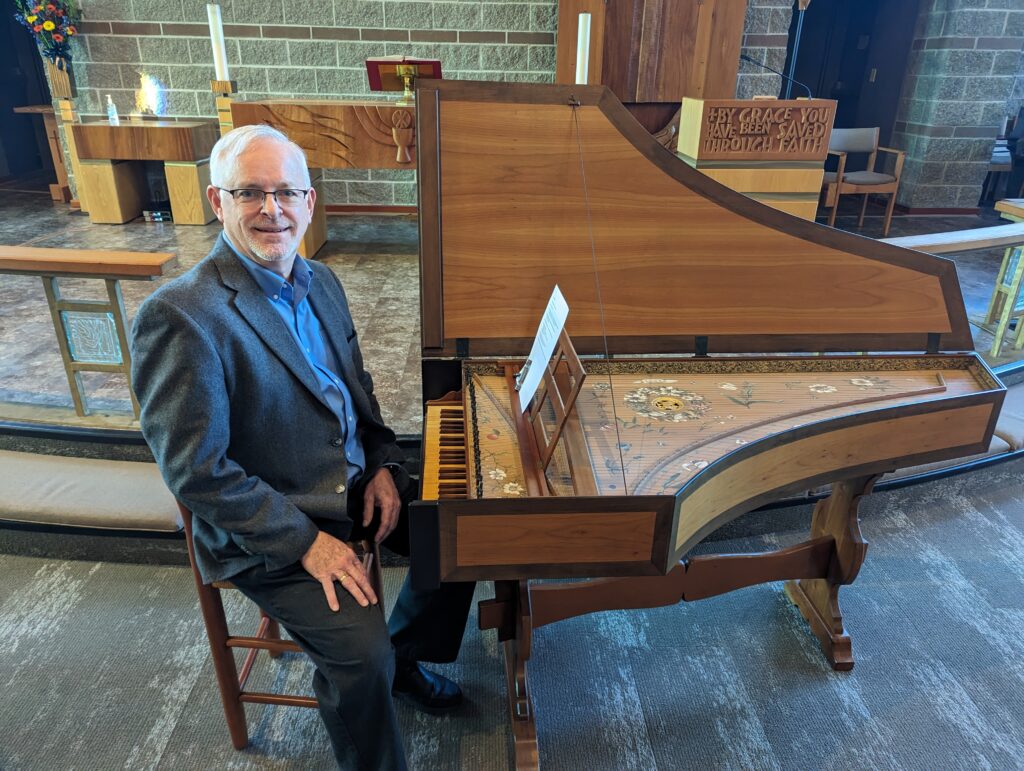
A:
{"x":271,"y":253}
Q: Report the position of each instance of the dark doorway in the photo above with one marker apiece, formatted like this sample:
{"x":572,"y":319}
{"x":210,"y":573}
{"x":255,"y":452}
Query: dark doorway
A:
{"x":24,"y":151}
{"x":855,"y":53}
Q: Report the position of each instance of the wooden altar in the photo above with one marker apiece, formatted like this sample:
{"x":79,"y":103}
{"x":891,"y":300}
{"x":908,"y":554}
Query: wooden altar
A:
{"x":111,"y":175}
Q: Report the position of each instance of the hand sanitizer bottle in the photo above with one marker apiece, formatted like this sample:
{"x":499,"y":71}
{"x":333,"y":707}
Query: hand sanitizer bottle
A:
{"x":112,"y":118}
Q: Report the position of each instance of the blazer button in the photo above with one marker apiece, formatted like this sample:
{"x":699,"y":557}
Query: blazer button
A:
{"x":338,"y":442}
{"x":339,"y":489}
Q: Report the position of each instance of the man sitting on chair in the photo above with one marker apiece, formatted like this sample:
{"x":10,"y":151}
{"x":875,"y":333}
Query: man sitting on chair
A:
{"x":263,"y":421}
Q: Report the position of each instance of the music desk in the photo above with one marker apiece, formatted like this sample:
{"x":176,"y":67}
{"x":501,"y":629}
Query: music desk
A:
{"x":113,"y":181}
{"x":337,"y":135}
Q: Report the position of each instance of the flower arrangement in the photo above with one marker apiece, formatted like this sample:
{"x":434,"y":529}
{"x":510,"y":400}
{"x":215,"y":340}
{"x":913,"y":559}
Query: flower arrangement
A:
{"x":52,"y":24}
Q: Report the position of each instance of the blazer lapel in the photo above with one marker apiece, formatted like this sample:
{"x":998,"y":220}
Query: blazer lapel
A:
{"x":254,"y":308}
{"x":329,"y":309}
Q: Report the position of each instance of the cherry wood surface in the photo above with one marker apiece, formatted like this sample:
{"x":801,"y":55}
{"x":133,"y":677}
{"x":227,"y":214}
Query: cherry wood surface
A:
{"x":531,"y":191}
{"x":145,"y":140}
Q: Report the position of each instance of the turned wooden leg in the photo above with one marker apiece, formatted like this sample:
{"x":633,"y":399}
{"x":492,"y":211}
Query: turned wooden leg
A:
{"x":223,"y":663}
{"x":273,"y":632}
{"x":818,"y":598}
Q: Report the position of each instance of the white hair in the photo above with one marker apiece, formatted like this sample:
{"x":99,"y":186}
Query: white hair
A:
{"x":236,"y":141}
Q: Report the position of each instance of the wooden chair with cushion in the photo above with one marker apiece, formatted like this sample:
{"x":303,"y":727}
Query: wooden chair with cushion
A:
{"x":230,"y":680}
{"x":842,"y":182}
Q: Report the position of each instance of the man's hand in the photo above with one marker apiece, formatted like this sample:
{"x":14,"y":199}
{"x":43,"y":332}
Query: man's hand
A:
{"x":328,"y":560}
{"x":382,"y":493}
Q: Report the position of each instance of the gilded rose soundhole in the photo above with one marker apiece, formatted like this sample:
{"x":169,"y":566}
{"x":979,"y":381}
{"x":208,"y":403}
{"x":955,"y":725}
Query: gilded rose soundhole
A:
{"x":668,"y":404}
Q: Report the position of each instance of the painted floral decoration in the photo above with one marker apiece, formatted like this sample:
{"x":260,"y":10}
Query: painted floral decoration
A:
{"x":52,"y":24}
{"x":870,"y":381}
{"x":821,"y":388}
{"x":667,"y":403}
{"x":513,"y":488}
{"x":497,"y":474}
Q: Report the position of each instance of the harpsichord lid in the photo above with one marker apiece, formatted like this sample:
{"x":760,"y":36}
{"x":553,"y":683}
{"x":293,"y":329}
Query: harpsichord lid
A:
{"x":523,"y":186}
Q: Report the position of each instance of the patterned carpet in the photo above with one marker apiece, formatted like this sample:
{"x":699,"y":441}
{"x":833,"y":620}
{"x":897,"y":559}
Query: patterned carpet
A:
{"x":105,"y":666}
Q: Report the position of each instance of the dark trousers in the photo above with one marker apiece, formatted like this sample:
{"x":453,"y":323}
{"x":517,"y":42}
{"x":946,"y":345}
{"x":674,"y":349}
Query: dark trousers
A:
{"x":352,"y":648}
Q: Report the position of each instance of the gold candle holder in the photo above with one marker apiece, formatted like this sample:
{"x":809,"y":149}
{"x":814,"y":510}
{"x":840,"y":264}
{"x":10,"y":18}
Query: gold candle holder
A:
{"x":223,"y":89}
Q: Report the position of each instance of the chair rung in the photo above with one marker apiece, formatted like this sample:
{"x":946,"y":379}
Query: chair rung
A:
{"x":280,"y":646}
{"x":257,"y":697}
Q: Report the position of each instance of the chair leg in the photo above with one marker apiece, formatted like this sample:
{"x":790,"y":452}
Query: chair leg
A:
{"x":212,"y":607}
{"x":888,"y":214}
{"x":273,"y":632}
{"x":832,"y":212}
{"x":863,"y":208}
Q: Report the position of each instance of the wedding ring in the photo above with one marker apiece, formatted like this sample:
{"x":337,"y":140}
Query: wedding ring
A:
{"x":343,"y":577}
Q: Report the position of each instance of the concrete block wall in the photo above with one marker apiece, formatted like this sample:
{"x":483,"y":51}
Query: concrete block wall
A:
{"x":277,"y":48}
{"x":1016,"y":100}
{"x":765,"y":35}
{"x":960,"y":84}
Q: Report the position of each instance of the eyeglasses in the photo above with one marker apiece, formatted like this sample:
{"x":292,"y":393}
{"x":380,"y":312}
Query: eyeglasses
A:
{"x":251,"y":196}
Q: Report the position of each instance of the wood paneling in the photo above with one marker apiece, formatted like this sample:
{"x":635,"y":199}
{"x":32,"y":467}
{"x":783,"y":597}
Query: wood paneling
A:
{"x":97,"y":263}
{"x":145,"y":141}
{"x":555,"y":538}
{"x":337,"y":134}
{"x":663,"y":50}
{"x":568,"y":26}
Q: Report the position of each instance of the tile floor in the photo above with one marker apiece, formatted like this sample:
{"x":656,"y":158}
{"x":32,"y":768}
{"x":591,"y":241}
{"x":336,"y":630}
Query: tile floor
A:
{"x":376,"y":258}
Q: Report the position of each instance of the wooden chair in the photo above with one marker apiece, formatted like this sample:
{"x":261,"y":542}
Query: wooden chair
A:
{"x":230,"y":680}
{"x":842,"y":182}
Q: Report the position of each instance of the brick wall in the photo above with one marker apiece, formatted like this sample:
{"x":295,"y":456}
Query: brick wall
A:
{"x":279,"y":48}
{"x":959,"y":85}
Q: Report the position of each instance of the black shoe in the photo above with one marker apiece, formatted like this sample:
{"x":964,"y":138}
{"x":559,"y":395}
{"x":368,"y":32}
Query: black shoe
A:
{"x":425,"y":690}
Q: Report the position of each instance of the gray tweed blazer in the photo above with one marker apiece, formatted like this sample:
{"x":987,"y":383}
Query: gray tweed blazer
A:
{"x":234,"y":417}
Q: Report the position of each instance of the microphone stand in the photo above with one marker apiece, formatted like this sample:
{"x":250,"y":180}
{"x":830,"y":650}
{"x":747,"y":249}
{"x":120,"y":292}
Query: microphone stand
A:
{"x":796,"y":47}
{"x":804,"y":86}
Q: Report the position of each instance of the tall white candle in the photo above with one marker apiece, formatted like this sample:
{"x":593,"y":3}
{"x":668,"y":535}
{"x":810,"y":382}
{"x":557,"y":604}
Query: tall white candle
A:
{"x":220,"y":54}
{"x":583,"y":48}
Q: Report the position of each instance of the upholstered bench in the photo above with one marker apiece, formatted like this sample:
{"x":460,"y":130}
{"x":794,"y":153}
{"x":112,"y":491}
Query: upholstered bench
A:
{"x":84,"y":492}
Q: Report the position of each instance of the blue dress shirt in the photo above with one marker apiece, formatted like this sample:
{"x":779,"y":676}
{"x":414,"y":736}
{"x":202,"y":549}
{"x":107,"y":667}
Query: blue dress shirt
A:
{"x":291,"y":302}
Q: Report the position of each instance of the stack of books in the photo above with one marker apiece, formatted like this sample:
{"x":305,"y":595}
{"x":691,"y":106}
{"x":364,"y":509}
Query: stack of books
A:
{"x":156,"y":215}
